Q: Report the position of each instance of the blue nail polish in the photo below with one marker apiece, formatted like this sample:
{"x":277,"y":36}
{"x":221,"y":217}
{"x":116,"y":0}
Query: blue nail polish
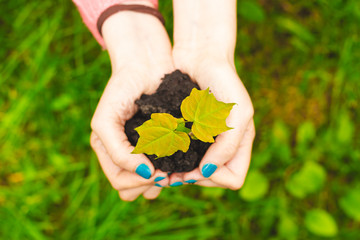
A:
{"x":143,"y":171}
{"x":175,"y":184}
{"x":158,"y":179}
{"x":158,"y":185}
{"x":191,"y":181}
{"x":208,"y":169}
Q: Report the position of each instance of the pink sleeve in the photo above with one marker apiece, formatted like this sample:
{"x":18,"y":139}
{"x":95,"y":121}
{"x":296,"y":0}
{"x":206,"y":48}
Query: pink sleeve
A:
{"x":90,"y":11}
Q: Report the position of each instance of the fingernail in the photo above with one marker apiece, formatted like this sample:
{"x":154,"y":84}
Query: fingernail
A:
{"x":158,"y":185}
{"x":143,"y":171}
{"x":175,"y":184}
{"x":208,"y":169}
{"x":159,"y":179}
{"x":191,"y":181}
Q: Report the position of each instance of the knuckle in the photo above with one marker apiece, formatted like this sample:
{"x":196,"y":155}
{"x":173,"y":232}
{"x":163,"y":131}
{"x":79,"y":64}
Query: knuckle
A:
{"x":94,"y":140}
{"x":116,"y":185}
{"x":236,"y":185}
{"x":117,"y":158}
{"x":250,"y":131}
{"x":252,"y":134}
{"x":249,"y":112}
{"x":95,"y":122}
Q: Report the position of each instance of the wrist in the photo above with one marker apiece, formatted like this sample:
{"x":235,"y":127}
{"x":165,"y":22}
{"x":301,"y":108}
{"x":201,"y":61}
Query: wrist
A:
{"x":192,"y":60}
{"x":198,"y":50}
{"x":205,"y":28}
{"x":134,"y":38}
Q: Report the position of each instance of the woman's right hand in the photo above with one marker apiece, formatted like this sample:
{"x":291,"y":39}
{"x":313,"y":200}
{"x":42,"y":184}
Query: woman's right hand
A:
{"x":140,"y":53}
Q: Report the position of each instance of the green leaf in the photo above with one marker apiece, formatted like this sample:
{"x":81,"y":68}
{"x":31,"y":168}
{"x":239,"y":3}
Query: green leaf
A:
{"x":207,"y":114}
{"x":251,"y":11}
{"x":255,"y":187}
{"x":321,"y":223}
{"x":159,"y":136}
{"x":350,"y":203}
{"x":287,"y":227}
{"x":309,"y":179}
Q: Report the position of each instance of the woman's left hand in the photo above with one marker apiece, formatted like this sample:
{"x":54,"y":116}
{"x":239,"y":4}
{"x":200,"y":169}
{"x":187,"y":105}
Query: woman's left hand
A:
{"x":226,"y":162}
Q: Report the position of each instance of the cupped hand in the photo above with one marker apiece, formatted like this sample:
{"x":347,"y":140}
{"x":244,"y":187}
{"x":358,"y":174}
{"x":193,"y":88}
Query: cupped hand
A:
{"x":140,"y":53}
{"x":130,"y":174}
{"x":204,"y":45}
{"x":226,"y":162}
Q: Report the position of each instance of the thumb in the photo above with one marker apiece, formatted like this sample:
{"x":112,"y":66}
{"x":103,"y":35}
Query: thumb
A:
{"x":116,"y":106}
{"x":119,"y":149}
{"x":226,"y":145}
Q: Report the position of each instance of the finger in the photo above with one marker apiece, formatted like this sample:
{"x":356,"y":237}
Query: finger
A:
{"x":193,"y":176}
{"x":233,"y":174}
{"x":208,"y":183}
{"x":119,"y":150}
{"x":216,"y":156}
{"x":121,"y":179}
{"x":176,"y":179}
{"x":227,"y":143}
{"x":133,"y":193}
{"x":162,"y":180}
{"x":108,"y":124}
{"x":224,"y":176}
{"x":127,"y":180}
{"x":152,"y":192}
{"x":224,"y":148}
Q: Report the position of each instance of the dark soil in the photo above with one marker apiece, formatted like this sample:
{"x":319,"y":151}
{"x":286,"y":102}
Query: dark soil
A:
{"x":167,"y":99}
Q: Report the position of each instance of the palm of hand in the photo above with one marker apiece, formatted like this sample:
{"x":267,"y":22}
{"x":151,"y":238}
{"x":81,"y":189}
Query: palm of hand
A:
{"x":231,"y":151}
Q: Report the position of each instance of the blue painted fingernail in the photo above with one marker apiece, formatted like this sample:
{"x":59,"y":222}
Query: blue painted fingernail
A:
{"x":191,"y":181}
{"x":158,"y":179}
{"x":143,"y":171}
{"x":208,"y":169}
{"x":175,"y":184}
{"x":158,"y":185}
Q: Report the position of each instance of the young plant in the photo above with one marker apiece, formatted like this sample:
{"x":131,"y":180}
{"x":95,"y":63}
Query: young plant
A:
{"x":163,"y":134}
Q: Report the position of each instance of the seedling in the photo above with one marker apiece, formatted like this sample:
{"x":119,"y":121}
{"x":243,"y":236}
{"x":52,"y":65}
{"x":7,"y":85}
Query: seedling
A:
{"x":163,"y":134}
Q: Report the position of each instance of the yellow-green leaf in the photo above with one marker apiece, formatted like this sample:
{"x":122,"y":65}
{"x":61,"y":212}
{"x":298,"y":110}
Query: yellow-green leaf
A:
{"x":350,"y":204}
{"x":310,"y":179}
{"x":255,"y":187}
{"x":207,"y":114}
{"x":321,"y":223}
{"x":159,"y":136}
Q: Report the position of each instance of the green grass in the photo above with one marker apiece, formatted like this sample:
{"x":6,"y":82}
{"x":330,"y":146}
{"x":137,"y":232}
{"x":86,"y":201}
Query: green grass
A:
{"x":300,"y":63}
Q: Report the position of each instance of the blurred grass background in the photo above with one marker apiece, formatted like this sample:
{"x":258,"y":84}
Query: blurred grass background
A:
{"x":300,"y":61}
